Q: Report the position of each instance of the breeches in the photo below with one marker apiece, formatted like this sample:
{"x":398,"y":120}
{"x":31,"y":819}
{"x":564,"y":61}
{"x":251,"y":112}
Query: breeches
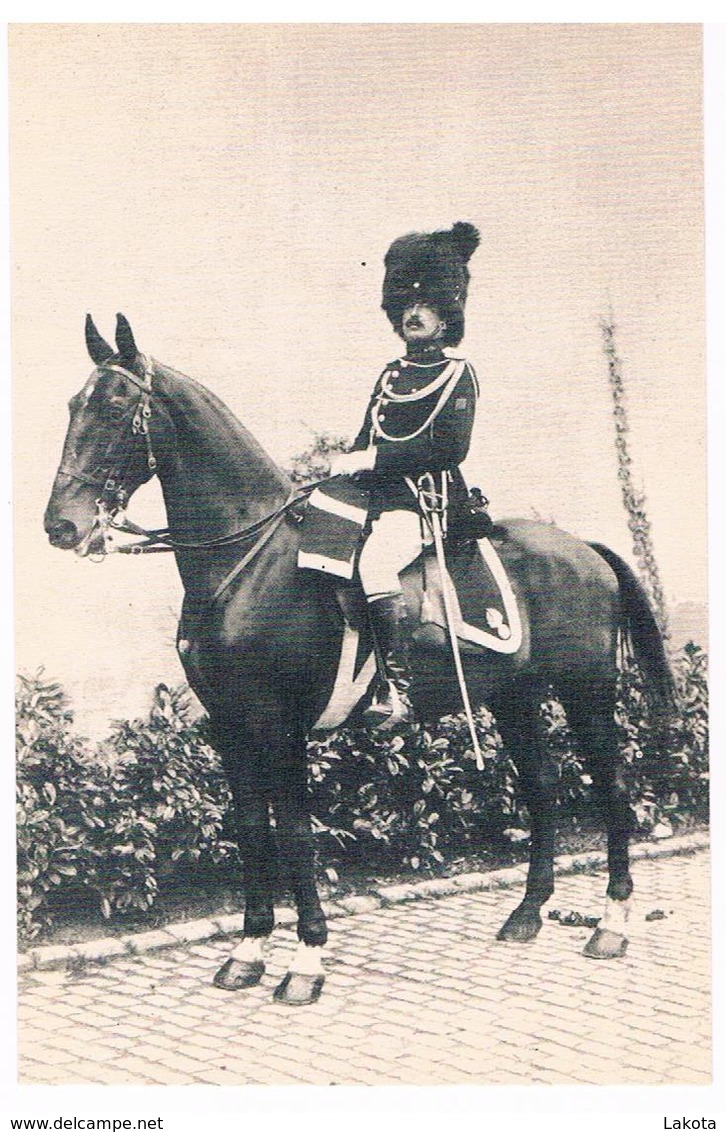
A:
{"x":394,"y":542}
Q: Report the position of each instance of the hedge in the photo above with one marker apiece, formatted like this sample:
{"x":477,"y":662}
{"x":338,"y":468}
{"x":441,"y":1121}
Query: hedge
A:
{"x":108,"y":824}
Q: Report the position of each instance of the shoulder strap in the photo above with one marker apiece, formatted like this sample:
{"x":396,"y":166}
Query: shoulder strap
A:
{"x":450,"y":387}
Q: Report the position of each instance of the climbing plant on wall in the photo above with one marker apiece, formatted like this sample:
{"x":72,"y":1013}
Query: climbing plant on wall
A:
{"x":633,"y":500}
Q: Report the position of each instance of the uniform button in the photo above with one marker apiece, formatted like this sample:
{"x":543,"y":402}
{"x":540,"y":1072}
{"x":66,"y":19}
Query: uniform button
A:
{"x":381,"y":416}
{"x":394,"y":373}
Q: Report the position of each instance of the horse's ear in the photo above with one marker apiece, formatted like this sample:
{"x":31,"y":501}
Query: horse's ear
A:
{"x":125,"y":339}
{"x":98,"y":347}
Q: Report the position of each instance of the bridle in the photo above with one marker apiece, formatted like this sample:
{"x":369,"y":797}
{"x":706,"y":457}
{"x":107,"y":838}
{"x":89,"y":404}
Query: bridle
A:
{"x":110,"y":476}
{"x":139,"y":423}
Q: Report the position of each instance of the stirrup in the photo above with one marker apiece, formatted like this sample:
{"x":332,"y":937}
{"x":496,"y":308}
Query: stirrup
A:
{"x":385,"y":714}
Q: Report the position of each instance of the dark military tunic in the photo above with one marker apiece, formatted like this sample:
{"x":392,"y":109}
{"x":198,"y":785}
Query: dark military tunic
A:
{"x":428,"y":431}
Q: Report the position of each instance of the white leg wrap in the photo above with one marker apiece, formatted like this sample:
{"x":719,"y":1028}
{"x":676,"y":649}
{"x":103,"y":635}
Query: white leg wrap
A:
{"x":250,"y":950}
{"x":307,"y":960}
{"x":616,"y":914}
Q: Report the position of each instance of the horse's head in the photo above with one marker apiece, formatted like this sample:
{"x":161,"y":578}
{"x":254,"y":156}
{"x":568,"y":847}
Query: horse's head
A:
{"x":107,"y":453}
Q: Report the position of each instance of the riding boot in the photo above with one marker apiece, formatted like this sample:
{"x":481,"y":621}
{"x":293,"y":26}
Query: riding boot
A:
{"x":390,"y":705}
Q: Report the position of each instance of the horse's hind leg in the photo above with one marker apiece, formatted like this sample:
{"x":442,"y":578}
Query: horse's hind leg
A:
{"x":590,"y":708}
{"x":518,"y":718}
{"x":245,"y":966}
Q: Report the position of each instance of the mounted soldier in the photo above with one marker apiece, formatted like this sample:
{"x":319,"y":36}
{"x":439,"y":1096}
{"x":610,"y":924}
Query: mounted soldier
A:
{"x":418,"y":424}
{"x":266,"y":651}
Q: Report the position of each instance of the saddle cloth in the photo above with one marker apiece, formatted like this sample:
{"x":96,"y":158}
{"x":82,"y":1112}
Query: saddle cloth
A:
{"x":486,"y":614}
{"x":484,"y":605}
{"x":335,"y":515}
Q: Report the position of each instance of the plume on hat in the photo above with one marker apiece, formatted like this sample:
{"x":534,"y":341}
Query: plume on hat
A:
{"x":431,"y":267}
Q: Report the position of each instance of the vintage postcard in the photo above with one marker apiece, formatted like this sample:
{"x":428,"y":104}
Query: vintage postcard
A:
{"x":359,"y":394}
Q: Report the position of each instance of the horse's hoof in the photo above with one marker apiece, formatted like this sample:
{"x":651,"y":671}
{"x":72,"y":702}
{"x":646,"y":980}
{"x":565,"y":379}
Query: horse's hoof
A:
{"x":604,"y":944}
{"x":299,"y":990}
{"x":521,"y":927}
{"x":236,"y":975}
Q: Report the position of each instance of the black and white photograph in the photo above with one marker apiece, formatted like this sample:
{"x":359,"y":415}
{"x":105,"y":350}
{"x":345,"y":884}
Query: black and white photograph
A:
{"x":361,"y":611}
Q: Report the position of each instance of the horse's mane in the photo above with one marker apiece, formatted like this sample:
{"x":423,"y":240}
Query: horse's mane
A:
{"x":203,"y":416}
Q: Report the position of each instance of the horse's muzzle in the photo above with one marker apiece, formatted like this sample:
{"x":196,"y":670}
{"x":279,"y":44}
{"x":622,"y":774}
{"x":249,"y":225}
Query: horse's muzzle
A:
{"x":63,"y":534}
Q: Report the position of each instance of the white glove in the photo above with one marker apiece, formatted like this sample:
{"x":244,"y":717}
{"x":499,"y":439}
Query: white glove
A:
{"x":350,"y":463}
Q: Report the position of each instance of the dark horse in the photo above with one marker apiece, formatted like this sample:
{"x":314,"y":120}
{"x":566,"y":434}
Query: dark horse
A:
{"x":261,"y":641}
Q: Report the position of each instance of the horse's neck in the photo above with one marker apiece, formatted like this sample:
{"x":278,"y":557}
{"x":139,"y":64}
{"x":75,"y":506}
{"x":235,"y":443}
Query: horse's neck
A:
{"x":214,"y":475}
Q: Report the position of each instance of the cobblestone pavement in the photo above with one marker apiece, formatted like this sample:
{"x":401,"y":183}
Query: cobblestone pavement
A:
{"x":417,"y":993}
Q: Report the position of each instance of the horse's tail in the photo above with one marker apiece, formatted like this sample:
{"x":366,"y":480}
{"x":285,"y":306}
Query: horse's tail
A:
{"x":641,"y":633}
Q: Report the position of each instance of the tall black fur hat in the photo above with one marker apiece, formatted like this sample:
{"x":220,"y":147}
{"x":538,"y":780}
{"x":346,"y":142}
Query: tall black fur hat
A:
{"x":431,"y":267}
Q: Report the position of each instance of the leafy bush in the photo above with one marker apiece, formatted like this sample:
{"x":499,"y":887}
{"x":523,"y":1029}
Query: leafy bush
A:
{"x":405,"y":799}
{"x":173,"y":781}
{"x":411,"y":799}
{"x":114,"y":822}
{"x":314,"y":463}
{"x":108,"y":823}
{"x":75,"y":828}
{"x":50,"y":837}
{"x":668,"y":762}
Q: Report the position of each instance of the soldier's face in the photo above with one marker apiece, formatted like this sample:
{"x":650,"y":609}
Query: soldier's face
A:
{"x":421,"y":323}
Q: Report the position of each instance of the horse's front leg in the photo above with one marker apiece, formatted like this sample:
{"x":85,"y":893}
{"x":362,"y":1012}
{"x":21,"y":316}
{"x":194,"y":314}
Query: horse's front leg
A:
{"x":518,"y":720}
{"x":246,"y":966}
{"x":304,"y":980}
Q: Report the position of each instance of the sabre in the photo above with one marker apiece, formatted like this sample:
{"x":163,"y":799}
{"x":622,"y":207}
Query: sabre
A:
{"x":434,"y":519}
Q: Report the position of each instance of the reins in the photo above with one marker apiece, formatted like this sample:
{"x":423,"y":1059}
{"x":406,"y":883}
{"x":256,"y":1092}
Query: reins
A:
{"x":160,"y":540}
